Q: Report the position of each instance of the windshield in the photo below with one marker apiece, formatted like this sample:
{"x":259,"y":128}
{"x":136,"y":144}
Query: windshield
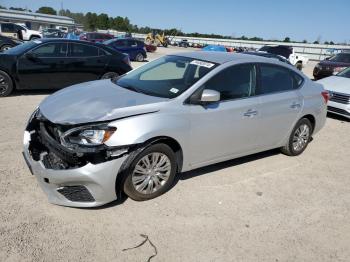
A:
{"x":19,"y":49}
{"x":345,"y":73}
{"x":167,"y":77}
{"x":341,"y":57}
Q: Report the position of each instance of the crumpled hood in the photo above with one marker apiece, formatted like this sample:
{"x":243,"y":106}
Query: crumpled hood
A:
{"x":95,"y":101}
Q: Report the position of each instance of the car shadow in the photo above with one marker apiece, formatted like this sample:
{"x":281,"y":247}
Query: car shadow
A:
{"x":32,"y":92}
{"x":207,"y":170}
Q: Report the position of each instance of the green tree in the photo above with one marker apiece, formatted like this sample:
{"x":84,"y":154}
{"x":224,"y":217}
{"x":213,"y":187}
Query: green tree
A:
{"x":287,"y":39}
{"x":46,"y":10}
{"x":19,"y":9}
{"x":331,"y":43}
{"x":102,"y":21}
{"x":91,"y":21}
{"x":305,"y":41}
{"x":326,"y":43}
{"x":316,"y":42}
{"x":2,"y":7}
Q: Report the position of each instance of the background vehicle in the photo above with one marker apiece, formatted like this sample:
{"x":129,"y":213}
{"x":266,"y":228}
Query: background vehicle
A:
{"x":217,"y":48}
{"x":269,"y":55}
{"x":184,"y":43}
{"x":174,"y":114}
{"x":134,"y":48}
{"x":57,"y":63}
{"x":332,"y":65}
{"x":338,"y":87}
{"x":157,"y":39}
{"x":7,"y":43}
{"x":19,"y":31}
{"x":95,"y":37}
{"x":150,"y":48}
{"x":53,"y":33}
{"x":288,"y":52}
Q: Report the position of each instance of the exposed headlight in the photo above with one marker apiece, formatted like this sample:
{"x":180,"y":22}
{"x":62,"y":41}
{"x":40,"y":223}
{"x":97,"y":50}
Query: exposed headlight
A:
{"x":87,"y":135}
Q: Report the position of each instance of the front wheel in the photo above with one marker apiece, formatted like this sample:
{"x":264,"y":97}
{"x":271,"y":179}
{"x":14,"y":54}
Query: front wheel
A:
{"x":151,"y":173}
{"x":299,"y":138}
{"x":299,"y":66}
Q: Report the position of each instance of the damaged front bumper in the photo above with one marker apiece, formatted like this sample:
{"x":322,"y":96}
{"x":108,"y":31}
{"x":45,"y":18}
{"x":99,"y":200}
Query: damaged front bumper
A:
{"x":70,"y":178}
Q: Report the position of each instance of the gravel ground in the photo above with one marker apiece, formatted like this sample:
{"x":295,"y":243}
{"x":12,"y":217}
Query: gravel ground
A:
{"x":266,"y":207}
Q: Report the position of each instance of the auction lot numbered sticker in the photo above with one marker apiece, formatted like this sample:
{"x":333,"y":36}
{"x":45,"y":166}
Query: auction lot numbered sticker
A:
{"x":202,"y":63}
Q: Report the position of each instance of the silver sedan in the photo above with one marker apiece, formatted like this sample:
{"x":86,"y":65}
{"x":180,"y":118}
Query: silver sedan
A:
{"x":88,"y":143}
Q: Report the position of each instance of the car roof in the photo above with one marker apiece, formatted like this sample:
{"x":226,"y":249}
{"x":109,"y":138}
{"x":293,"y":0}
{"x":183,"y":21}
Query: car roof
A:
{"x":224,"y":57}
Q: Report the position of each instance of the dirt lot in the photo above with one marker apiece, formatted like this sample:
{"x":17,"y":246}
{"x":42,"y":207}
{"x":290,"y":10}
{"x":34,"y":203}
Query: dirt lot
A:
{"x":266,"y":207}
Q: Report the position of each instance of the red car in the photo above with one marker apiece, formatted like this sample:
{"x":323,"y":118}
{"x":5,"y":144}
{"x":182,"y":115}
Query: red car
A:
{"x":95,"y":37}
{"x":150,"y":48}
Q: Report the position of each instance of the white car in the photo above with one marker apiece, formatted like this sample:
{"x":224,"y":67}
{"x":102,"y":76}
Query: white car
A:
{"x":297,"y":60}
{"x":19,"y":31}
{"x":338,"y":87}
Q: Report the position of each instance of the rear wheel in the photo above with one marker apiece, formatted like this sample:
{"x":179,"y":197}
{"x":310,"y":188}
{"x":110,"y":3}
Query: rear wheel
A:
{"x":5,"y":47}
{"x":151,"y":173}
{"x":110,"y":75}
{"x":299,"y":66}
{"x":139,"y":57}
{"x":299,"y":138}
{"x":34,"y":37}
{"x":6,"y":84}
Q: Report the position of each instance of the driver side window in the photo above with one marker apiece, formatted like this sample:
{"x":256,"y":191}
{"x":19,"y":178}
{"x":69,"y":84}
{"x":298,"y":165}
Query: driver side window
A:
{"x":234,"y":82}
{"x":51,"y":50}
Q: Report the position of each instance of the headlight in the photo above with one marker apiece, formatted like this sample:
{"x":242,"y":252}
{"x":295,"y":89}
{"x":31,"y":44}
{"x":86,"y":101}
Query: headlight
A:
{"x":88,"y":135}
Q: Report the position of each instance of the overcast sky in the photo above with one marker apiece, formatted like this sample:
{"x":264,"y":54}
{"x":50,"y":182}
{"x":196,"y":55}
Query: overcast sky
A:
{"x":270,"y":19}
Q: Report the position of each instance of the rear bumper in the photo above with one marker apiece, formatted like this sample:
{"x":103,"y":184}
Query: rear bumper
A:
{"x":87,"y":186}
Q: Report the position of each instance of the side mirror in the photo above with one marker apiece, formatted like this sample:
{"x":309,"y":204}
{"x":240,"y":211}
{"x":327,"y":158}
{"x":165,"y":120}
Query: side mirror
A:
{"x":210,"y":96}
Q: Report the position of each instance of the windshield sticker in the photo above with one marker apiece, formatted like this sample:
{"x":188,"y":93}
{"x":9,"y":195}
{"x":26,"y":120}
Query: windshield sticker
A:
{"x":37,"y":41}
{"x":202,"y":63}
{"x":174,"y":90}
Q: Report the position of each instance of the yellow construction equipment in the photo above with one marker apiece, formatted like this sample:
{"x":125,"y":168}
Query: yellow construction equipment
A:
{"x":157,"y":39}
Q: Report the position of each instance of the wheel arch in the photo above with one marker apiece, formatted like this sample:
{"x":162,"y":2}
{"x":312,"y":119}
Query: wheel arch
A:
{"x":312,"y":120}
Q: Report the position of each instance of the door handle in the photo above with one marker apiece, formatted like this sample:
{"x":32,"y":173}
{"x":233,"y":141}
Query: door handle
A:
{"x":295,"y":105}
{"x":250,"y":113}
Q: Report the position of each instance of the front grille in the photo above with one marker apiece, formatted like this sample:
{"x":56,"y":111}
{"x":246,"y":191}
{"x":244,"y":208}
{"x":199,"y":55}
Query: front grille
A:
{"x":340,"y":98}
{"x":338,"y":110}
{"x":76,"y":193}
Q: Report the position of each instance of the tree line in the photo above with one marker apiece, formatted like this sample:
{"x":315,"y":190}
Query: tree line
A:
{"x":93,"y":21}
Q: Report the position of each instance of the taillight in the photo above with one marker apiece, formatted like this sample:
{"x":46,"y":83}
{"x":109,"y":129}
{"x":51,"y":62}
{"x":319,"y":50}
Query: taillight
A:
{"x":326,"y":96}
{"x":126,"y":60}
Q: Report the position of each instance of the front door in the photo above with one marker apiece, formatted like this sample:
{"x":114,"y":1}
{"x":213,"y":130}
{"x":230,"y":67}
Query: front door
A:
{"x":228,"y":127}
{"x":44,"y":67}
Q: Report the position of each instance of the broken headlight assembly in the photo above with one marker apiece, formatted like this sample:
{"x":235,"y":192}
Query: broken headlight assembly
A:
{"x":90,"y":136}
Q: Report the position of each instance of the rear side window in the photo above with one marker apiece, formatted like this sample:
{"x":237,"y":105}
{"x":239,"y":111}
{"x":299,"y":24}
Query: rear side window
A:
{"x":132,"y":43}
{"x":120,"y":43}
{"x":277,"y":79}
{"x":79,"y":50}
{"x":238,"y":81}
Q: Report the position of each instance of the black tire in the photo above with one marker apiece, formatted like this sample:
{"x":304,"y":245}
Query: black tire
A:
{"x":110,"y":75}
{"x":5,"y":47}
{"x":34,"y":37}
{"x":6,"y":84}
{"x":299,"y":66}
{"x":289,"y":149}
{"x":128,"y":186}
{"x":139,"y":57}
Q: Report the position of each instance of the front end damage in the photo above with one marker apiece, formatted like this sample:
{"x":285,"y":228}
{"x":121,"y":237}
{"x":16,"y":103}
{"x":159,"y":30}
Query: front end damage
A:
{"x":71,"y":175}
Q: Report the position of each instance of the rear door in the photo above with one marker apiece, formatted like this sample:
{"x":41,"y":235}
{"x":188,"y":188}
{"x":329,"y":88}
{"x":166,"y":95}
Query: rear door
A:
{"x":281,"y":103}
{"x":46,"y":69}
{"x":85,"y":63}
